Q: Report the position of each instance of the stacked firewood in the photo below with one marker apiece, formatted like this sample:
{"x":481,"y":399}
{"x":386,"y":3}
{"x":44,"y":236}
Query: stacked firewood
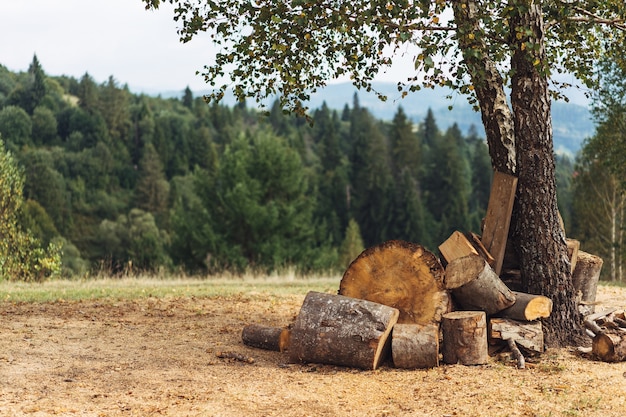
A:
{"x":401,"y":302}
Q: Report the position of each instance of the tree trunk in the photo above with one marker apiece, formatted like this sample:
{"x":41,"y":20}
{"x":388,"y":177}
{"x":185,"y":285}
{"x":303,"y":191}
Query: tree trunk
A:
{"x":539,"y":238}
{"x":488,"y":86}
{"x":402,"y":275}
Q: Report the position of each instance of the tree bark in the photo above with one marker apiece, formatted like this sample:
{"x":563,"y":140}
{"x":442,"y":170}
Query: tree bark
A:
{"x":539,"y":238}
{"x":488,"y":86}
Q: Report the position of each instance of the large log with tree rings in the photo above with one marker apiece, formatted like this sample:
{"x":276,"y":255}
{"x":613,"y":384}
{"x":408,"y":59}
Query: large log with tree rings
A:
{"x":402,"y":275}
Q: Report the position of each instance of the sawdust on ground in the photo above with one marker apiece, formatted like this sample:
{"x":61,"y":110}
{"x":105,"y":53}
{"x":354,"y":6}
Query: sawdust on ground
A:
{"x":158,"y":357}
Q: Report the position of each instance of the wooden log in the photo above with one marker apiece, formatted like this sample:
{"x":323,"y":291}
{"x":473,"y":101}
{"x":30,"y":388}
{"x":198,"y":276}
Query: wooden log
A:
{"x":585,"y":278}
{"x":460,"y":244}
{"x":528,"y":307}
{"x":475,"y":286}
{"x":266,"y":337}
{"x":465,"y":337}
{"x":573,"y":247}
{"x":344,"y":331}
{"x":402,"y":275}
{"x":498,"y":217}
{"x":529,"y":335}
{"x":415,"y":346}
{"x":609,"y":347}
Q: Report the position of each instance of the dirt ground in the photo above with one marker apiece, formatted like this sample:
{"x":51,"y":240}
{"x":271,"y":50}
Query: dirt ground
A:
{"x":158,"y":357}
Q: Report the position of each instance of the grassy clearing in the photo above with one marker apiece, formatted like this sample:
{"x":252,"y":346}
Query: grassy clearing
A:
{"x":140,"y":287}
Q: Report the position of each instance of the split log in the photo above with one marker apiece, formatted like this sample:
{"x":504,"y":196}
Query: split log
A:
{"x":415,"y":346}
{"x":460,"y":244}
{"x":465,"y":337}
{"x":265,"y":337}
{"x":402,"y":275}
{"x":609,"y":347}
{"x":498,"y":217}
{"x":585,"y":278}
{"x":344,"y":331}
{"x":573,"y":247}
{"x":528,"y":307}
{"x":476,"y":286}
{"x":528,"y":335}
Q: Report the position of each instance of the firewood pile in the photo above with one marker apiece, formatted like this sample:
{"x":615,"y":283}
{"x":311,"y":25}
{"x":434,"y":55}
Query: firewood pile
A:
{"x":397,"y":301}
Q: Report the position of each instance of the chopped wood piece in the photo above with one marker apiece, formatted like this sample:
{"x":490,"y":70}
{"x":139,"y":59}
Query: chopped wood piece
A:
{"x":475,"y":285}
{"x":338,"y":330}
{"x":465,"y":337}
{"x":528,"y":307}
{"x":609,"y":347}
{"x":528,"y":335}
{"x":585,"y":279}
{"x":459,"y":245}
{"x":498,"y":217}
{"x":415,"y":346}
{"x":521,"y":362}
{"x":402,"y":275}
{"x":265,"y":337}
{"x":456,"y":246}
{"x":573,"y":246}
{"x":478,"y":245}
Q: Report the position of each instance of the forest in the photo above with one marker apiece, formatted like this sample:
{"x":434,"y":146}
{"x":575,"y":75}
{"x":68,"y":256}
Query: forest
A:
{"x":118,"y":182}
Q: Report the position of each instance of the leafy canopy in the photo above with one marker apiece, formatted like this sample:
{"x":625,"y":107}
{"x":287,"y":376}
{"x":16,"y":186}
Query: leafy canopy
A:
{"x":290,"y":48}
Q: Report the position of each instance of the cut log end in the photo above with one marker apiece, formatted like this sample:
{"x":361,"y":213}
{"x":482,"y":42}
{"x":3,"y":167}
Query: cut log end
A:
{"x":402,"y":275}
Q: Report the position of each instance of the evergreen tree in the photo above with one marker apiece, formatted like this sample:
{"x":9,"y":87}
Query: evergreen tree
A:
{"x":409,"y":218}
{"x":371,"y":178}
{"x":152,"y":189}
{"x":333,"y":174}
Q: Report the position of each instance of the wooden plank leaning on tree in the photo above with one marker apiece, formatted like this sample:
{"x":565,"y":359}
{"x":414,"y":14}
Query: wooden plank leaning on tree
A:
{"x":475,"y":285}
{"x":402,"y":275}
{"x":339,"y":330}
{"x":498,"y":217}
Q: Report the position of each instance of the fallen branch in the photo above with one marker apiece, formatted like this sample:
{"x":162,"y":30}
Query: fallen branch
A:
{"x":521,"y":362}
{"x":235,"y":356}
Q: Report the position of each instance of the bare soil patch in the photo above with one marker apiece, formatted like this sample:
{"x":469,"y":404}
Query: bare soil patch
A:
{"x":158,"y":357}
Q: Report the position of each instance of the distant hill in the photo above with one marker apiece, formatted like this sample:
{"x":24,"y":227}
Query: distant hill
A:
{"x":572,"y":122}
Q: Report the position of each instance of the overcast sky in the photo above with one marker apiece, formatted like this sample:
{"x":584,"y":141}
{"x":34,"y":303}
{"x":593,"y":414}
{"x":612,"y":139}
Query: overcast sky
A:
{"x":105,"y":37}
{"x":102,"y":37}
